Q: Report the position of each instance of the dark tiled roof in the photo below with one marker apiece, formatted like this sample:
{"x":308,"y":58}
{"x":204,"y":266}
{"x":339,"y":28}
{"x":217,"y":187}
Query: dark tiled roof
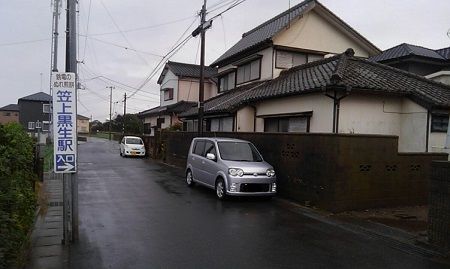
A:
{"x":40,"y":96}
{"x":186,"y":70}
{"x":404,"y":50}
{"x":164,"y":110}
{"x":225,"y":102}
{"x":445,"y":52}
{"x":342,"y":70}
{"x":264,"y":32}
{"x":10,"y":107}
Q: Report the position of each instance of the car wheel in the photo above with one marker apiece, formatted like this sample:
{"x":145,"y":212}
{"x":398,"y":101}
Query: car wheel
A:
{"x":220,"y":189}
{"x":189,"y":179}
{"x":120,"y":153}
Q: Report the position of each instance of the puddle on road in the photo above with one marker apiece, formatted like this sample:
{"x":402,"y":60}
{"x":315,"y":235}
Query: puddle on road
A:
{"x":168,"y":187}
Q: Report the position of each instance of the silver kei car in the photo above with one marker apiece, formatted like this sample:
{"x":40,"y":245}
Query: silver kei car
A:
{"x":229,"y":166}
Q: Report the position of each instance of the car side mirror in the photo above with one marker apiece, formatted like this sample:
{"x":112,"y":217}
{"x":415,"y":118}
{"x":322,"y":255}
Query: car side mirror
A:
{"x":210,"y":156}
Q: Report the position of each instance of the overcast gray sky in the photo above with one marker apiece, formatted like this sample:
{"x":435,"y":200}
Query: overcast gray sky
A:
{"x":148,"y":29}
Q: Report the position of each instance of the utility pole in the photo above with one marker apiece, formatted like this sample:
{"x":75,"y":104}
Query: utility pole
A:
{"x":110,"y":108}
{"x":124,"y":112}
{"x":201,"y":91}
{"x":70,"y":181}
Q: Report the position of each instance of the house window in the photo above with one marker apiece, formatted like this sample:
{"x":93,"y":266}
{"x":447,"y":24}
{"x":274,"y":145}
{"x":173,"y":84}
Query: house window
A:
{"x":7,"y":113}
{"x":46,"y":108}
{"x":38,"y":125}
{"x":439,"y":123}
{"x":45,"y":126}
{"x":31,"y":125}
{"x":288,"y":59}
{"x":221,"y":124}
{"x":249,"y":71}
{"x":168,"y":94}
{"x":147,"y":128}
{"x":227,"y":82}
{"x":287,"y":125}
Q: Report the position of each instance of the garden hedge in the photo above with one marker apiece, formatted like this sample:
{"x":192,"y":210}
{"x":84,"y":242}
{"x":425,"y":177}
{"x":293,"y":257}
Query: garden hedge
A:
{"x":17,"y":199}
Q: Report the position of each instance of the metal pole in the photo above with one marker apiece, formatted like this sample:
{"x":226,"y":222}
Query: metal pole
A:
{"x":124,"y":112}
{"x":110,"y":108}
{"x":202,"y":75}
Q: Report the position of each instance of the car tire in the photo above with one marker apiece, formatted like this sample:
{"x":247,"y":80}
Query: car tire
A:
{"x":120,"y":153}
{"x":189,"y":179}
{"x":221,"y":193}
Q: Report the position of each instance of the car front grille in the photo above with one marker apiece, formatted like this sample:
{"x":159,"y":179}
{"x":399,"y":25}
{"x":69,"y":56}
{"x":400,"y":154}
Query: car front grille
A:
{"x":254,"y":187}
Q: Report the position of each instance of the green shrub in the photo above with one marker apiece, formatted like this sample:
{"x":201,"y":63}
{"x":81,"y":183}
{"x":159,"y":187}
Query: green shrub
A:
{"x":17,"y":199}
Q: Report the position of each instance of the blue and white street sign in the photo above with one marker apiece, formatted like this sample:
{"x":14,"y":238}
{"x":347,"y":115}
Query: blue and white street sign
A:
{"x":64,"y":122}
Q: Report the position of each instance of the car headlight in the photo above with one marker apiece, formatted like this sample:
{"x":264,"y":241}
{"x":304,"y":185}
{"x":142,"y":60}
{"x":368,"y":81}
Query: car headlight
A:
{"x":236,"y":172}
{"x":270,"y":172}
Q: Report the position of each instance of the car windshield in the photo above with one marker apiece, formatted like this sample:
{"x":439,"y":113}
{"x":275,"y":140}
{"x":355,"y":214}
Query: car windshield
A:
{"x":238,"y":151}
{"x":134,"y":141}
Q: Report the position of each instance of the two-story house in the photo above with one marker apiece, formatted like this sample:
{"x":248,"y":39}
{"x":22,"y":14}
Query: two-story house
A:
{"x":179,"y":86}
{"x":35,"y":114}
{"x":339,"y":93}
{"x":305,"y":33}
{"x":9,"y":113}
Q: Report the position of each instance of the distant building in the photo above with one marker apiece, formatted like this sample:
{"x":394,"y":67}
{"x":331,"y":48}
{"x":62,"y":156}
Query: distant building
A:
{"x":9,"y":113}
{"x":35,"y":113}
{"x":82,"y":124}
{"x":180,"y":85}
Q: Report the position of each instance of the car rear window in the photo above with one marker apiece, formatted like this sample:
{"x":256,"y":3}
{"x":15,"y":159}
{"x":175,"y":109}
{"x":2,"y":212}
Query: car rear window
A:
{"x":134,"y":141}
{"x":239,"y":151}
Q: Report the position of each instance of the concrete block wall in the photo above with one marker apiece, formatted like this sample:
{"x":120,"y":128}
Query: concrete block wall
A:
{"x":439,"y":207}
{"x":334,"y":172}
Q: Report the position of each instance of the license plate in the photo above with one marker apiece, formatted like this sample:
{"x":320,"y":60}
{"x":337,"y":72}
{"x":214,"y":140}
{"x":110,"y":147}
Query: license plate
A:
{"x":133,"y":153}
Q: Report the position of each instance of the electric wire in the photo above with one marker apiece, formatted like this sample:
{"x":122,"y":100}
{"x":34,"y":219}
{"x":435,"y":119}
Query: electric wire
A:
{"x":87,"y":29}
{"x":121,"y":32}
{"x":145,"y":27}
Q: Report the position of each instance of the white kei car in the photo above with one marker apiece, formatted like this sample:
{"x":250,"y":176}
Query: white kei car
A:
{"x":132,"y":146}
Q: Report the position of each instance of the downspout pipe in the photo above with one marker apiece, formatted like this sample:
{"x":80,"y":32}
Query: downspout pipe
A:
{"x":337,"y":105}
{"x":427,"y":136}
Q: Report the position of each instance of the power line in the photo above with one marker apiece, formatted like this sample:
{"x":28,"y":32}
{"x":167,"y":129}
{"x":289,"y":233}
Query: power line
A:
{"x":87,"y":29}
{"x":24,"y":42}
{"x":120,"y":46}
{"x":145,"y":27}
{"x":121,"y":32}
{"x":168,"y":55}
{"x":102,"y":77}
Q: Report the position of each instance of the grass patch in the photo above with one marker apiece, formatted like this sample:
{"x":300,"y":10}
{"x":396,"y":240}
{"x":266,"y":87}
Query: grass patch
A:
{"x":101,"y":135}
{"x":48,"y":157}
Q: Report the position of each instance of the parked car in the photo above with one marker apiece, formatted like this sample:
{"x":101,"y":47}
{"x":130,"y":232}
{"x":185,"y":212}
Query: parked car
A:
{"x":229,"y":166}
{"x":132,"y":146}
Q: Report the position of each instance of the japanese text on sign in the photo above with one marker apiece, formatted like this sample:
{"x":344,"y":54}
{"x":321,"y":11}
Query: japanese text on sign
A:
{"x":64,"y":122}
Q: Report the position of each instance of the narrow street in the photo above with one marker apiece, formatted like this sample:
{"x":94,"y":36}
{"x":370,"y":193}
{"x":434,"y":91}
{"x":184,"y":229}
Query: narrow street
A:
{"x":135,"y":213}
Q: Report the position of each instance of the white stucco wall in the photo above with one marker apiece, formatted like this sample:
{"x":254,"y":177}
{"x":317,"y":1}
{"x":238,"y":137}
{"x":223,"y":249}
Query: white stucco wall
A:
{"x":372,"y":114}
{"x":169,"y":81}
{"x":188,"y":90}
{"x":245,"y":119}
{"x":413,"y":127}
{"x":322,"y":107}
{"x":313,"y":32}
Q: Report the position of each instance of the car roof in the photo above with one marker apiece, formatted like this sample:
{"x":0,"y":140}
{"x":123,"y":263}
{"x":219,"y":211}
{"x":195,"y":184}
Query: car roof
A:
{"x":222,"y":139}
{"x":131,"y":137}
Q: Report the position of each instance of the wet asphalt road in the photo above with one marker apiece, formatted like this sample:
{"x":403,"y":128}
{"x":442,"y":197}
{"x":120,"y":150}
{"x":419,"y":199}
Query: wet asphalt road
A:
{"x":135,"y":213}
